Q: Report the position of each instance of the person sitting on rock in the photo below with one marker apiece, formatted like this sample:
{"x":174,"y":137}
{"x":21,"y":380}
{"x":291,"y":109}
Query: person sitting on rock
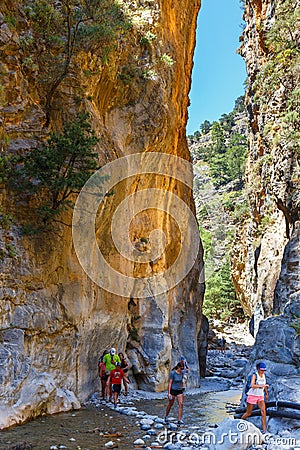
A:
{"x":115,"y":380}
{"x":255,"y":395}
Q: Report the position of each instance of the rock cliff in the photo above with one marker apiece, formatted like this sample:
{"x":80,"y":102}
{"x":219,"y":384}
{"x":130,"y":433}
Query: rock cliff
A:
{"x":133,"y":79}
{"x":266,"y":257}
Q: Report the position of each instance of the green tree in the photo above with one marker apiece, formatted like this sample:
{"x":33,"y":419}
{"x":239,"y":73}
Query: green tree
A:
{"x":281,"y":70}
{"x":217,"y":161}
{"x":227,"y":160}
{"x":239,"y":104}
{"x":218,"y":138}
{"x":236,"y":156}
{"x":205,"y":127}
{"x":61,"y":166}
{"x":60,"y":31}
{"x":220,"y":301}
{"x":227,"y":121}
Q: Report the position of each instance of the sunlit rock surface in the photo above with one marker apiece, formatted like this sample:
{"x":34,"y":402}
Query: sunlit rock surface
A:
{"x":55,"y":322}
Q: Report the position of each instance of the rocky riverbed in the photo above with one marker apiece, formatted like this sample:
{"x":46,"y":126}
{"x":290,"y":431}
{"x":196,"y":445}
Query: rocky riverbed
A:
{"x":138,"y":420}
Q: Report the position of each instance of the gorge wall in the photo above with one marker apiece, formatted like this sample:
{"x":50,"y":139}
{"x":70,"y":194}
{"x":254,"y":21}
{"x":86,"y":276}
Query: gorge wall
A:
{"x":55,"y":321}
{"x":266,"y":258}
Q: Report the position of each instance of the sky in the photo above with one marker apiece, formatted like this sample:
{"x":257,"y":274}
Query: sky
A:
{"x":219,"y":73}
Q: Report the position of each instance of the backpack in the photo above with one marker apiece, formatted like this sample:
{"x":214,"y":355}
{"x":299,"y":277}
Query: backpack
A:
{"x":248,"y":382}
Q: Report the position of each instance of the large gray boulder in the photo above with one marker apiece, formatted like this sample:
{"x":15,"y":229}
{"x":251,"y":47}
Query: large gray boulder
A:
{"x":234,"y":434}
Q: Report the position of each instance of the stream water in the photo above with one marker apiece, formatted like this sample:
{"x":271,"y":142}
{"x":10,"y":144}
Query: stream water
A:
{"x":90,"y":428}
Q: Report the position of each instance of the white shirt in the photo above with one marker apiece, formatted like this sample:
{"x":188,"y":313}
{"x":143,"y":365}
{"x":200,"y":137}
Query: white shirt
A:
{"x":259,"y":392}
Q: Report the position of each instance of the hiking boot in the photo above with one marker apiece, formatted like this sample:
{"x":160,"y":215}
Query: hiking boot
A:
{"x":166,"y":419}
{"x":180,"y":422}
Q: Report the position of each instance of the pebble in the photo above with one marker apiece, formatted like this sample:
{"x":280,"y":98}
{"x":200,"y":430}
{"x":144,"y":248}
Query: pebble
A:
{"x":159,"y":420}
{"x":152,"y":432}
{"x":153,"y":425}
{"x":147,"y":421}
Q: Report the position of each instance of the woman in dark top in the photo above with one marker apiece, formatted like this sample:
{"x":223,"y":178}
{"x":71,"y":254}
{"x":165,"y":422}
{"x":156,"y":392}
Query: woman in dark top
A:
{"x":124,"y":367}
{"x":175,"y":390}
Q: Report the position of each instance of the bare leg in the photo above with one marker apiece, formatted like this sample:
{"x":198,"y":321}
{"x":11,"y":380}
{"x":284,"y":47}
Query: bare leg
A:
{"x":248,"y":411}
{"x":170,"y":404}
{"x":115,"y":398}
{"x":109,"y":391}
{"x":262,"y":407}
{"x":104,"y":389}
{"x":180,"y":400}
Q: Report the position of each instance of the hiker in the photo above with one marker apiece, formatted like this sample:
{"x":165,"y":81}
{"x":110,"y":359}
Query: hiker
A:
{"x":115,"y":380}
{"x":103,"y":374}
{"x":124,"y":367}
{"x":255,"y":395}
{"x":110,"y":361}
{"x":175,"y":391}
{"x":223,"y":344}
{"x":185,"y":370}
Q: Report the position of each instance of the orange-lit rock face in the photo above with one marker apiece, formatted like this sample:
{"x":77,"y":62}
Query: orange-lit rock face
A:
{"x":55,"y":321}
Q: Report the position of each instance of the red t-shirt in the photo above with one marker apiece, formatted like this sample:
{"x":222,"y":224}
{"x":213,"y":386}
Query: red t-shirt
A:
{"x":116,"y":376}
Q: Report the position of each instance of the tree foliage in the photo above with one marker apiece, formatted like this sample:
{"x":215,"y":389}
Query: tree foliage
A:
{"x":226,"y":150}
{"x":220,"y":301}
{"x":226,"y":158}
{"x":59,"y":31}
{"x":60,"y":167}
{"x":205,"y":127}
{"x":280,"y":75}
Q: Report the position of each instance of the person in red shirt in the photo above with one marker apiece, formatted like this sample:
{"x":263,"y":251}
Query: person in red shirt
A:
{"x":115,"y":379}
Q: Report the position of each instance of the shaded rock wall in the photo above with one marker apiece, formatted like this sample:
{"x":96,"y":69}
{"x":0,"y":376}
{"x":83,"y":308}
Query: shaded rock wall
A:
{"x":266,"y":257}
{"x":265,"y":264}
{"x":54,"y":321}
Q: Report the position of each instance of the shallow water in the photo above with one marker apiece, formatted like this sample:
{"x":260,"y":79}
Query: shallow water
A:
{"x":199,"y":410}
{"x":85,"y":427}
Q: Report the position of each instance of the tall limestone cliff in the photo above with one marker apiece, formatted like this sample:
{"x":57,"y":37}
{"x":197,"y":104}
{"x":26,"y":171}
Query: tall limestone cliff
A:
{"x":128,"y":64}
{"x":266,"y":258}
